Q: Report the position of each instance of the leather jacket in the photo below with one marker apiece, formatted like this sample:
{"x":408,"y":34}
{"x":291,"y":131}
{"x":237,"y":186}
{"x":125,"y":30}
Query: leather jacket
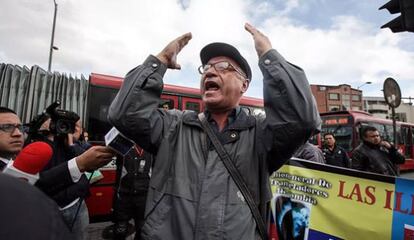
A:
{"x":133,"y":172}
{"x":336,"y":157}
{"x":376,"y":159}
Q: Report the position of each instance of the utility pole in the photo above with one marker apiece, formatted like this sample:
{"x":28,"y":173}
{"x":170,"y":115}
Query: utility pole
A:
{"x":52,"y":40}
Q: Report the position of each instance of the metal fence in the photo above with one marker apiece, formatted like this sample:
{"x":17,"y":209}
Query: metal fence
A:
{"x":30,"y":91}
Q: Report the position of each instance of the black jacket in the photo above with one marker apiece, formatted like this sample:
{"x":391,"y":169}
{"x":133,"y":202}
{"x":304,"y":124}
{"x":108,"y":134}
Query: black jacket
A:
{"x":137,"y":164}
{"x":55,"y":179}
{"x":376,"y":159}
{"x":336,"y":157}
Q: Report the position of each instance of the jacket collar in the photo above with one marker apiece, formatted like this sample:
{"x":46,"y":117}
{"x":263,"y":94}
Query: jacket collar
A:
{"x":238,"y":119}
{"x":371,"y":145}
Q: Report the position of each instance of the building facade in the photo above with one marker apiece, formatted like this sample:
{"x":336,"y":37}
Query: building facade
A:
{"x":335,"y":98}
{"x":379,"y":108}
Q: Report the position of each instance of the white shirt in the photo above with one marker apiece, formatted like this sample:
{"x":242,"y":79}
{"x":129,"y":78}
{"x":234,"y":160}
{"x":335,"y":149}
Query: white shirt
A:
{"x":74,"y":171}
{"x":76,"y":174}
{"x":5,"y":160}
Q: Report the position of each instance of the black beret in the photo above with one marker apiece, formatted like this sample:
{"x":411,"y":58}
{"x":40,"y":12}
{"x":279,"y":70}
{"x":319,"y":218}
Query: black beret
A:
{"x":223,"y":49}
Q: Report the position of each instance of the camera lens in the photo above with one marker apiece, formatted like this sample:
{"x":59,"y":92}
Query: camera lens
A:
{"x":62,"y":127}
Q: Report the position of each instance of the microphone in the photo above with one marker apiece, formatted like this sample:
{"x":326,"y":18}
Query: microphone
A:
{"x":30,"y":161}
{"x":118,"y":142}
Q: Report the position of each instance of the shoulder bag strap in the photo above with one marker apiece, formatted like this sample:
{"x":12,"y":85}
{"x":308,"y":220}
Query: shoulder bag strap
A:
{"x":235,"y":174}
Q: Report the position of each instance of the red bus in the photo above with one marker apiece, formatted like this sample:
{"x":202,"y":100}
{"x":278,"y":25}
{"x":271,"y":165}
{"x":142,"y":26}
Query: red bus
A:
{"x":102,"y":90}
{"x":346,"y":125}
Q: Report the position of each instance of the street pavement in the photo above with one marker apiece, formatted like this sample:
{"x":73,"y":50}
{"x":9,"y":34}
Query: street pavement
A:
{"x":95,"y":231}
{"x":409,"y":175}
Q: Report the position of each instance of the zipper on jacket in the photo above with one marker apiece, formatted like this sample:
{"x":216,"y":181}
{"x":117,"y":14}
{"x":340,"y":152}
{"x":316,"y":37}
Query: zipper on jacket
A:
{"x":204,"y":146}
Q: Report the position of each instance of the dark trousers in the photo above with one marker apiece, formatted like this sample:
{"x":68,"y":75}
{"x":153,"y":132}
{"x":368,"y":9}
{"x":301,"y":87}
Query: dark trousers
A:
{"x":127,"y":207}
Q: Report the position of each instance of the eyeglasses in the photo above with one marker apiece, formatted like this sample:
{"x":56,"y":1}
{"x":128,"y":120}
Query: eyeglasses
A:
{"x":10,"y":128}
{"x":220,"y":67}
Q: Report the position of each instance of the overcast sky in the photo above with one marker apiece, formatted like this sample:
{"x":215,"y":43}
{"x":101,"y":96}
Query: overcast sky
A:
{"x":334,"y":41}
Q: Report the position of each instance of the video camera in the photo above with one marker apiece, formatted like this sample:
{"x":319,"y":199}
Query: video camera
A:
{"x":62,"y":122}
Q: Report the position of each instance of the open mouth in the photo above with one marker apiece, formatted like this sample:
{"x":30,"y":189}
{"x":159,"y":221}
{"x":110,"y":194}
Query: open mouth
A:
{"x":211,"y":86}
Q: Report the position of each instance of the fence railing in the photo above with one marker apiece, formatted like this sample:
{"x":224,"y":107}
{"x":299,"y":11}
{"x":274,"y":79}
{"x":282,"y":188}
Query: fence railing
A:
{"x":30,"y":91}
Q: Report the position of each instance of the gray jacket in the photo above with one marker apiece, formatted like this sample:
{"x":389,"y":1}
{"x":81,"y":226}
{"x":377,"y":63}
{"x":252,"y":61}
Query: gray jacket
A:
{"x":191,"y":194}
{"x":310,"y":152}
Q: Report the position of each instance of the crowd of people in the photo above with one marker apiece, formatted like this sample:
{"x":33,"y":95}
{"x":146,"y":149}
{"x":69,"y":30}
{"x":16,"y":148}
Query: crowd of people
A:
{"x":201,"y":175}
{"x":62,"y":180}
{"x":373,"y":155}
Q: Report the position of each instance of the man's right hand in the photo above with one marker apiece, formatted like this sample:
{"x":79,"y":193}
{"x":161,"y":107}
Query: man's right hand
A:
{"x":261,"y":41}
{"x":386,"y":144}
{"x":94,"y":158}
{"x":168,"y":55}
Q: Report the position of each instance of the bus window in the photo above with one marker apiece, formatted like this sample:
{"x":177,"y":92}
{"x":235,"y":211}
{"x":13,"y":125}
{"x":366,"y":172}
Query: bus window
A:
{"x":403,"y":136}
{"x":192,"y":106}
{"x":406,"y":141}
{"x":172,"y":101}
{"x":389,"y":133}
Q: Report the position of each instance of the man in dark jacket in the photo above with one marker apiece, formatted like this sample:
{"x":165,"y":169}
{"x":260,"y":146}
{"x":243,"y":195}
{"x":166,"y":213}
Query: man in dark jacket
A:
{"x":376,"y":156}
{"x":334,"y":154}
{"x":133,"y":175}
{"x":191,"y":193}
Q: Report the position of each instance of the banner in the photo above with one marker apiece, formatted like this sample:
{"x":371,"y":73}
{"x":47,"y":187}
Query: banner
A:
{"x":317,"y":202}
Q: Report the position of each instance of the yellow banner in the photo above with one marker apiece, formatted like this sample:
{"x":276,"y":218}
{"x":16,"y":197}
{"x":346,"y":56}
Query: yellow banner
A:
{"x":314,"y":201}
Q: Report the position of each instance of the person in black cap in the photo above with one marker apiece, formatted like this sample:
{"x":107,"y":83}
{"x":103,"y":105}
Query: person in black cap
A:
{"x":191,"y":194}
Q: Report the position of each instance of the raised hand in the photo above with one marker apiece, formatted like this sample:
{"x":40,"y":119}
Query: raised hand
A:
{"x":168,"y":55}
{"x":261,"y":41}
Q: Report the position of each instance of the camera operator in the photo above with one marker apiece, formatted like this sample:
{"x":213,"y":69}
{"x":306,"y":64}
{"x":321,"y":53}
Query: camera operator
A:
{"x":51,"y":181}
{"x":62,"y":132}
{"x":76,"y":140}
